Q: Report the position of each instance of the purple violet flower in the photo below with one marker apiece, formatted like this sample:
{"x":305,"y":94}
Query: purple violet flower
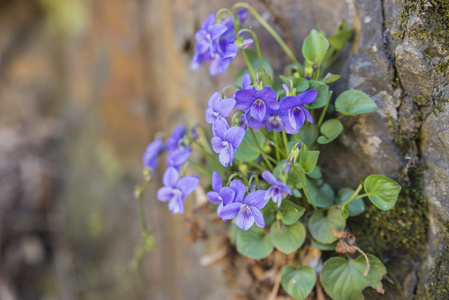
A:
{"x":293,"y":113}
{"x":274,"y":121}
{"x":225,"y":195}
{"x":207,"y":39}
{"x":277,"y":190}
{"x":215,"y":43}
{"x":247,"y":211}
{"x":150,"y":157}
{"x":256,"y":102}
{"x":226,"y":140}
{"x":175,"y":189}
{"x":177,"y":157}
{"x":218,"y":108}
{"x":173,"y":142}
{"x":246,"y":82}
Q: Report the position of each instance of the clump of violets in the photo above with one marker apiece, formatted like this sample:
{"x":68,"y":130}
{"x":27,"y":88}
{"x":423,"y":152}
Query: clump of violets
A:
{"x":216,"y":43}
{"x":260,"y":153}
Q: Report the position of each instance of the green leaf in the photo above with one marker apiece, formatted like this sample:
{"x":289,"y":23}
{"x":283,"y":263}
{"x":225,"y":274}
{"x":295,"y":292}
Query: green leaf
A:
{"x":269,"y":213}
{"x":337,"y":42}
{"x":291,"y":212}
{"x":315,"y":47}
{"x":330,"y":130}
{"x":323,"y":94}
{"x":323,"y":247}
{"x":301,"y":85}
{"x":316,"y":173}
{"x":326,"y":196}
{"x":298,"y":281}
{"x":289,"y":238}
{"x":382,"y":191}
{"x":308,"y":160}
{"x":253,"y":243}
{"x":354,"y":102}
{"x":320,"y":224}
{"x":356,"y":207}
{"x":248,"y":150}
{"x":329,"y":78}
{"x":344,"y":280}
{"x":322,"y":196}
{"x":308,"y":134}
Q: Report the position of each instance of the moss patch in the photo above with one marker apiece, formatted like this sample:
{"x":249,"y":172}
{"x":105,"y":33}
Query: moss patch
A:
{"x":439,"y":275}
{"x":398,"y":237}
{"x":434,"y":31}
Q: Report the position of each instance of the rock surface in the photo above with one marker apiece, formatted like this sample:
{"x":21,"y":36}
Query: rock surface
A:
{"x":85,"y":86}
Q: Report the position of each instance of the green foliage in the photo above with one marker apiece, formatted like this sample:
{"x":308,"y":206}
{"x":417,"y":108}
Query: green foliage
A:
{"x":287,"y":239}
{"x":323,"y":94}
{"x":345,"y":280}
{"x":290,"y":212}
{"x":253,"y":243}
{"x":382,"y":191}
{"x":248,"y":150}
{"x":315,"y":47}
{"x":308,"y":134}
{"x":355,"y":207}
{"x":298,"y":281}
{"x":354,"y":103}
{"x":330,"y":130}
{"x":308,"y":160}
{"x":321,"y":222}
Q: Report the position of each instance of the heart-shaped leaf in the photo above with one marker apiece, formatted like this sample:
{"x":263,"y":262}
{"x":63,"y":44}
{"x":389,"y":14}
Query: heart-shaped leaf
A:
{"x":324,"y":247}
{"x":382,"y":191}
{"x":308,"y":134}
{"x":321,"y":222}
{"x":344,"y":280}
{"x":330,"y":130}
{"x":288,"y":238}
{"x":291,"y":212}
{"x":354,"y":102}
{"x":298,"y":281}
{"x":323,"y":94}
{"x":308,"y":160}
{"x":253,"y":243}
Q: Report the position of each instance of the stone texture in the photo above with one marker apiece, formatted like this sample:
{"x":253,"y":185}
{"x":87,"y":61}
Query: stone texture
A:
{"x":92,"y":90}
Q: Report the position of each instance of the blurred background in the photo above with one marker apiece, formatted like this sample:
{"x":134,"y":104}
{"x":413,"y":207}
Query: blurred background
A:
{"x":84,"y":87}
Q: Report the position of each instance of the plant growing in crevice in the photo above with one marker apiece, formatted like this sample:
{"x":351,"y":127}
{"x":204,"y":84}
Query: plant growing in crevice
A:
{"x":264,"y":141}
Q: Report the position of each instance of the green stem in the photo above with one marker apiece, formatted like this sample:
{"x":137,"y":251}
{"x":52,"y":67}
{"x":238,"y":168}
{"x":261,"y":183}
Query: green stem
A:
{"x":228,"y":87}
{"x":138,"y":195}
{"x":284,"y":135}
{"x":211,"y":156}
{"x":353,"y":197}
{"x":276,"y":139}
{"x":277,"y":148}
{"x":268,"y":28}
{"x":255,"y":165}
{"x":248,"y":63}
{"x":361,"y":196}
{"x":261,"y":150}
{"x":256,"y":41}
{"x":323,"y":113}
{"x":304,"y":186}
{"x":227,"y":10}
{"x":199,"y":168}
